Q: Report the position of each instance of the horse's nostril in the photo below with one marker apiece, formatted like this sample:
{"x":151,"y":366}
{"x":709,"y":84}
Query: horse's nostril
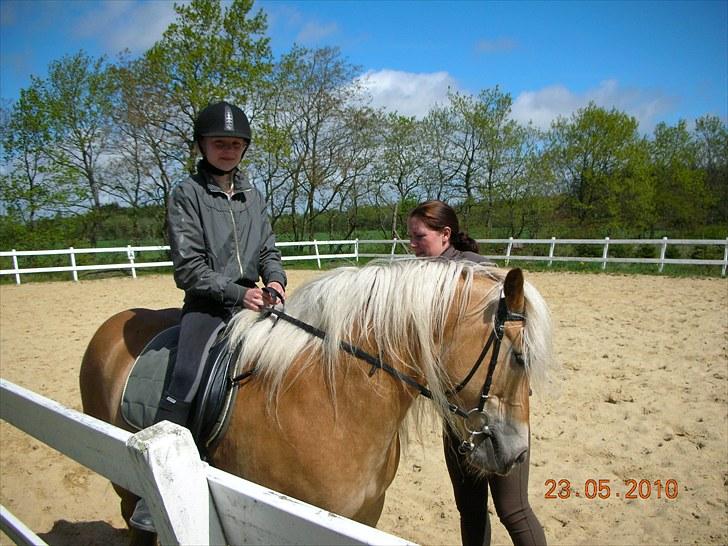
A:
{"x":521,"y":457}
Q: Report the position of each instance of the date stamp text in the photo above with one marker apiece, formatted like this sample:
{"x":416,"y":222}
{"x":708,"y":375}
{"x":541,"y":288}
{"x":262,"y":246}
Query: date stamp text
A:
{"x":605,"y":489}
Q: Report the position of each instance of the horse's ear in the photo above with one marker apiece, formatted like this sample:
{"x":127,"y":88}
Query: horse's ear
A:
{"x":513,"y":289}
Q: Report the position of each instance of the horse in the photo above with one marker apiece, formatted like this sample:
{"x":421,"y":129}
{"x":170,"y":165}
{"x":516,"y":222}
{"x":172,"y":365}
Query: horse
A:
{"x":316,"y":420}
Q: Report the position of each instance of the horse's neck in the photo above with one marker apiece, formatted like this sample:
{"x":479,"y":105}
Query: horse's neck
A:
{"x":342,"y":435}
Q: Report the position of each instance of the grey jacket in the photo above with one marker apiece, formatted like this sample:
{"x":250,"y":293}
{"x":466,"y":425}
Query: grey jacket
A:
{"x":451,"y":253}
{"x":220,"y":245}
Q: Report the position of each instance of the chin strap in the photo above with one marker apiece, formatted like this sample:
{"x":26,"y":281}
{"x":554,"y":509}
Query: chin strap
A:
{"x":209,"y":167}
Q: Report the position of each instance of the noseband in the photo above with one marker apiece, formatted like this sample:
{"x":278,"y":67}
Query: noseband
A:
{"x":476,"y":420}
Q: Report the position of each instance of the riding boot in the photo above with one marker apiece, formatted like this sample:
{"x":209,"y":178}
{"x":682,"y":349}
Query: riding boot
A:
{"x":142,"y":518}
{"x":175,"y":411}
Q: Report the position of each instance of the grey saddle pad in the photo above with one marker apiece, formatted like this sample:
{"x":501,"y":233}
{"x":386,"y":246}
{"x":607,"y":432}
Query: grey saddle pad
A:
{"x":144,"y":386}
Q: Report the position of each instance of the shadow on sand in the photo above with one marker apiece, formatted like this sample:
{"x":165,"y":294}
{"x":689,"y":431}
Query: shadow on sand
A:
{"x":89,"y":533}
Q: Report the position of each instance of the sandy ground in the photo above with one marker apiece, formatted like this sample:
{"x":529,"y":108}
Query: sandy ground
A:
{"x":642,"y":395}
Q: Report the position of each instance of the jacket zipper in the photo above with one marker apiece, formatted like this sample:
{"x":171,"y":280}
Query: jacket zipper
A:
{"x":235,"y":236}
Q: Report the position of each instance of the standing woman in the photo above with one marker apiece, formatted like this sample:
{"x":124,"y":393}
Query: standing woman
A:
{"x":221,"y":243}
{"x":434,"y":230}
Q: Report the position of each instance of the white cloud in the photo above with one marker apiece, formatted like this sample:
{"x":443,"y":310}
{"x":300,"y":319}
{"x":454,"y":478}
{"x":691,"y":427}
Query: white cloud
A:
{"x":407,"y":93}
{"x":127,"y":24}
{"x":545,"y":105}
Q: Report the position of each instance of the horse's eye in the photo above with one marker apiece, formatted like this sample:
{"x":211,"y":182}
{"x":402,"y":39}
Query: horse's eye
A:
{"x":519,"y":358}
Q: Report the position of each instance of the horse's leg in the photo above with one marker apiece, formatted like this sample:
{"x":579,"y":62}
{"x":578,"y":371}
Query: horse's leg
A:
{"x":372,"y":511}
{"x":370,"y":514}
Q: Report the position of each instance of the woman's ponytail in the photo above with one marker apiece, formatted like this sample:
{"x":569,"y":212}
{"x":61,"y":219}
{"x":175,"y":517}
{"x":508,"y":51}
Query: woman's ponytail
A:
{"x":464,"y":242}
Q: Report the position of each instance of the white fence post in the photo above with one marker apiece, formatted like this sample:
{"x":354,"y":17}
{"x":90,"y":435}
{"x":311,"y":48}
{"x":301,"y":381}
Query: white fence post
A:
{"x":508,"y":250}
{"x":605,"y":253}
{"x":182,"y":509}
{"x":663,"y":252}
{"x":74,"y":271}
{"x":356,"y":249}
{"x":17,"y":275}
{"x":318,"y":256}
{"x":130,"y":255}
{"x":552,"y":247}
{"x":725,"y":258}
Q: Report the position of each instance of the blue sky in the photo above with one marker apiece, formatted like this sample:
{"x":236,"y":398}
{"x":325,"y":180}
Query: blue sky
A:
{"x":658,"y":61}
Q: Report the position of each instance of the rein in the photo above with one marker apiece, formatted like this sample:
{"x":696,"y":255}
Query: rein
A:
{"x":476,"y":420}
{"x":375,"y":362}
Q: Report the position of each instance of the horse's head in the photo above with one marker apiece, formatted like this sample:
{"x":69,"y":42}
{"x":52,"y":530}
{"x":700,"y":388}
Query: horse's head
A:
{"x":488,"y":362}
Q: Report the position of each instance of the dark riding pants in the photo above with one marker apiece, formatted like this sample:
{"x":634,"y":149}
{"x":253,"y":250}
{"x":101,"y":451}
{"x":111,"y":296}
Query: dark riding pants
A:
{"x":510,"y":497}
{"x":194,"y":336}
{"x":198,"y":324}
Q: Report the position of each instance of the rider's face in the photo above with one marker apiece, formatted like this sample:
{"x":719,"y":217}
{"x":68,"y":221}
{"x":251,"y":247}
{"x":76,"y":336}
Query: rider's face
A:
{"x":426,"y":241}
{"x":223,"y":152}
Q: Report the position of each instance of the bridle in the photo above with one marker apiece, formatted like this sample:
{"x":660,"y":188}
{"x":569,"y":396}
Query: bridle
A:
{"x":476,"y":420}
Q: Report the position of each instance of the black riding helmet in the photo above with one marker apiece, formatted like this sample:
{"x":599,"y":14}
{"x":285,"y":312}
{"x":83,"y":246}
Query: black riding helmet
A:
{"x":222,"y":119}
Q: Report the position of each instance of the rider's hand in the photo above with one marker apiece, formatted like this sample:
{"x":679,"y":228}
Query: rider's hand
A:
{"x":278,"y":287}
{"x":254,"y":299}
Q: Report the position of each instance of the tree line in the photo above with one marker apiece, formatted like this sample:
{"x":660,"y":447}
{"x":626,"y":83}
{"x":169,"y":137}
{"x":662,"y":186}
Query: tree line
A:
{"x":95,"y":135}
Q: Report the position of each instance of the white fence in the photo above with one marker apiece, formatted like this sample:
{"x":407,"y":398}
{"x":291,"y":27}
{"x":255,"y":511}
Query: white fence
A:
{"x":513,"y":251}
{"x":191,"y":502}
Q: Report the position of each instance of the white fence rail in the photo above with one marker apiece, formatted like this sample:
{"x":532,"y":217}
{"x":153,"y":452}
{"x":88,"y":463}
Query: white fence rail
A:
{"x":513,"y":250}
{"x":191,"y":502}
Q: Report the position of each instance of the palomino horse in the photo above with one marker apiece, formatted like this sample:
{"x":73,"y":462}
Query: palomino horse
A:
{"x":321,"y":425}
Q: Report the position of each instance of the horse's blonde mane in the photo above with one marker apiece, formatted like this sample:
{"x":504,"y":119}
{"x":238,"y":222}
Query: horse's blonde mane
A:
{"x":398,"y":306}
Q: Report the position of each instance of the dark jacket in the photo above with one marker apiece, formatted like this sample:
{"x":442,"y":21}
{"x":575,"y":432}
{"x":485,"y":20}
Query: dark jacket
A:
{"x":220,"y":245}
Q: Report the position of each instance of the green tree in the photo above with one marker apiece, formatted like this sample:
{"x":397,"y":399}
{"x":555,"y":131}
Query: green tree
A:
{"x":148,"y":157}
{"x":468,"y":142}
{"x":27,"y":192}
{"x":63,"y":126}
{"x":328,"y":148}
{"x":599,"y":161}
{"x":439,"y":150}
{"x":74,"y":99}
{"x":399,"y":174}
{"x":680,"y":197}
{"x":711,"y":135}
{"x":523,"y":206}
